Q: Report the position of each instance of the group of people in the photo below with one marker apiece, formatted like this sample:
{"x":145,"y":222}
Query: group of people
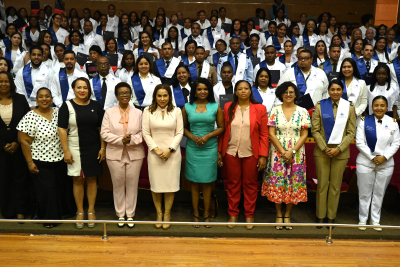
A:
{"x":243,"y":99}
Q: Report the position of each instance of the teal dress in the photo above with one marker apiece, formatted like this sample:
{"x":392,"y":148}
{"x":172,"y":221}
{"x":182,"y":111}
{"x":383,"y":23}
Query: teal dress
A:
{"x":201,"y":161}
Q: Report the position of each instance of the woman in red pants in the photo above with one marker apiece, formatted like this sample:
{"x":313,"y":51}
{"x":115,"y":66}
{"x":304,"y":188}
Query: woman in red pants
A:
{"x":243,"y":148}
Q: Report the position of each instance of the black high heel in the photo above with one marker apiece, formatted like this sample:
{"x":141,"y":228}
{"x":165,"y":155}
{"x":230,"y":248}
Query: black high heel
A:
{"x":196,"y":226}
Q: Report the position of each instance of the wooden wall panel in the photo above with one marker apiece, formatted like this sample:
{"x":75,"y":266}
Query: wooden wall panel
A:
{"x":344,"y":10}
{"x":386,"y":12}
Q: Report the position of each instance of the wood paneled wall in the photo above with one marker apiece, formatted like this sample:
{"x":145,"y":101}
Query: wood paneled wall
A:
{"x":344,"y":10}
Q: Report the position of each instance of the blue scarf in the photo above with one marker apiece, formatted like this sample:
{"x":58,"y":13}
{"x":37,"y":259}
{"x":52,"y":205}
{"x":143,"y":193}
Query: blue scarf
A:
{"x":138,"y":88}
{"x":327,"y":67}
{"x":328,"y":118}
{"x":53,"y":34}
{"x":267,"y":35}
{"x":97,"y":89}
{"x":140,"y":51}
{"x":263,"y":64}
{"x":256,"y":94}
{"x":249,"y":53}
{"x":161,"y":67}
{"x":6,"y":41}
{"x":120,"y":44}
{"x":282,"y":59}
{"x":183,"y":34}
{"x":276,"y":43}
{"x":375,"y":56}
{"x":353,"y":56}
{"x":294,"y":40}
{"x":28,"y":34}
{"x":215,"y":59}
{"x":344,"y":95}
{"x":179,"y":98}
{"x":193,"y":71}
{"x":68,"y":47}
{"x":185,"y":59}
{"x":157,"y":34}
{"x":306,"y":40}
{"x":370,"y":131}
{"x":26,"y":73}
{"x":294,"y":65}
{"x":301,"y":82}
{"x":99,"y":30}
{"x":64,"y":83}
{"x":315,"y":63}
{"x":396,"y":66}
{"x":210,"y":36}
{"x":362,"y":68}
{"x":7,"y":55}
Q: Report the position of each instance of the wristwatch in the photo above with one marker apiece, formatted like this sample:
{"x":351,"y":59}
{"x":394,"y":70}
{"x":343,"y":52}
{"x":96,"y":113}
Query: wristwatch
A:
{"x":171,"y":150}
{"x":294,"y":151}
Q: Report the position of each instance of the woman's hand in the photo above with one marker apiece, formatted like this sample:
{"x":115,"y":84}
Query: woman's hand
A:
{"x":157,"y":151}
{"x":68,"y":158}
{"x":378,"y":160}
{"x":220,"y":162}
{"x":203,"y":140}
{"x":195,"y":139}
{"x":102,"y":155}
{"x":126,"y":139}
{"x":11,"y":148}
{"x":262,"y":163}
{"x":165,"y":154}
{"x":155,"y":55}
{"x":332,"y":152}
{"x":288,"y":156}
{"x":33,"y":168}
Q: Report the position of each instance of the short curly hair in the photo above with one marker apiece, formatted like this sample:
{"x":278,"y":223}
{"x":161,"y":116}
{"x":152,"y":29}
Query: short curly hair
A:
{"x":281,"y":89}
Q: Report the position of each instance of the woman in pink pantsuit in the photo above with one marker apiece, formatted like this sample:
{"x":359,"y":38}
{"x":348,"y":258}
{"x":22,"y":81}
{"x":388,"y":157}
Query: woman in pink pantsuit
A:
{"x":122,"y":130}
{"x":163,"y":132}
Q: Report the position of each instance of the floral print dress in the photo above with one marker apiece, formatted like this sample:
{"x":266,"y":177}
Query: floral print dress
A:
{"x":286,"y":182}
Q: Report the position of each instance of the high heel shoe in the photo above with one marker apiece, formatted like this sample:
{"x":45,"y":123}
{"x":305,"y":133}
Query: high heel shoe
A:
{"x":91,"y":225}
{"x":278,"y":227}
{"x":197,"y":218}
{"x":80,"y":225}
{"x":287,"y":227}
{"x":167,"y":218}
{"x":159,"y":219}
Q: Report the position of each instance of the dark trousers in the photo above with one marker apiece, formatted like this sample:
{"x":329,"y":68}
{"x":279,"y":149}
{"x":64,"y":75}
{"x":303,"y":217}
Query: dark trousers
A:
{"x":14,"y":184}
{"x":48,"y":188}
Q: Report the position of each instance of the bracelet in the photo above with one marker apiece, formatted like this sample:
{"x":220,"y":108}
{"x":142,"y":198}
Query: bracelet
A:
{"x":102,"y":148}
{"x":30,"y":163}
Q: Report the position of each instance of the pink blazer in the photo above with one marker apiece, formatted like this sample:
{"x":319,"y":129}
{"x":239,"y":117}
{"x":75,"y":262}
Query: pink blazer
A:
{"x":112,"y":133}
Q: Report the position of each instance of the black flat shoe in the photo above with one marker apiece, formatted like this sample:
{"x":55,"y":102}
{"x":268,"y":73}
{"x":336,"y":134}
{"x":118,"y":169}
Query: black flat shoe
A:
{"x":320,"y":221}
{"x":330,"y":221}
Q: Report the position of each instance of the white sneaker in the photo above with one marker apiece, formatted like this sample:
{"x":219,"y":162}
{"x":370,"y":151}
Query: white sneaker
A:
{"x":120,"y":225}
{"x":376,"y":229}
{"x":130,"y":225}
{"x":362,"y":228}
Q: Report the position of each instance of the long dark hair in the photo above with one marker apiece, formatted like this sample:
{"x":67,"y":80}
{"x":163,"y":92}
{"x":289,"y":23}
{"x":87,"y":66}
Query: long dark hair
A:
{"x":162,"y":26}
{"x":42,"y":35}
{"x":123,"y":64}
{"x":77,"y":32}
{"x":13,"y":88}
{"x":27,"y":29}
{"x":326,"y":57}
{"x":136,"y":70}
{"x":137,"y":18}
{"x":176,"y":41}
{"x":8,"y":64}
{"x":385,"y":49}
{"x":188,"y":43}
{"x":154,"y":104}
{"x":70,"y":15}
{"x":79,"y":24}
{"x":106,"y":46}
{"x":206,"y":82}
{"x":354,"y":44}
{"x":20,"y":44}
{"x":232,"y":107}
{"x":258,"y":75}
{"x":247,"y":23}
{"x":129,"y":21}
{"x":150,"y":37}
{"x":175,"y":81}
{"x":353,"y":63}
{"x":232,"y":28}
{"x":305,"y":32}
{"x":289,"y":31}
{"x":374,"y":80}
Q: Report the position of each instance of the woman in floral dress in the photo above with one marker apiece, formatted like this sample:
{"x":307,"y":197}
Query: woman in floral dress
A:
{"x":285,"y":174}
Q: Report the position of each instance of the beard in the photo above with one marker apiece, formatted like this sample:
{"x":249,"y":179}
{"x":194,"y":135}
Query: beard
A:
{"x":36,"y":65}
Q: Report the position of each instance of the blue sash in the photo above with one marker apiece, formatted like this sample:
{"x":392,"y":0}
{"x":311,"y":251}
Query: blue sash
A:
{"x":282,"y":59}
{"x":120,"y":44}
{"x":185,"y":59}
{"x":327,"y":116}
{"x":344,"y":95}
{"x":263,"y":64}
{"x":301,"y":83}
{"x":179,"y":98}
{"x":157,"y":34}
{"x":6,"y":41}
{"x":140,"y":51}
{"x":267,"y":35}
{"x":396,"y":66}
{"x":362,"y":68}
{"x":161,"y":67}
{"x":28,"y":34}
{"x":138,"y":88}
{"x":294,"y":40}
{"x":99,"y":30}
{"x":231,"y":59}
{"x":210,"y":36}
{"x":183,"y":34}
{"x":97,"y":89}
{"x":68,"y":47}
{"x":306,"y":40}
{"x":370,"y":131}
{"x":215,"y":59}
{"x":276,"y":43}
{"x":64,"y":83}
{"x":315,"y":64}
{"x":256,"y":94}
{"x":388,"y":48}
{"x":193,"y":71}
{"x":294,"y":65}
{"x":353,"y":56}
{"x":26,"y":73}
{"x":375,"y":56}
{"x":249,"y":53}
{"x":327,"y":67}
{"x":190,"y":37}
{"x":7,"y":55}
{"x":53,"y":34}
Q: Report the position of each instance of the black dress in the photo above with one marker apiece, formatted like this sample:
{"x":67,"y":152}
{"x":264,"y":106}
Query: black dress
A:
{"x":14,"y":173}
{"x":83,"y":122}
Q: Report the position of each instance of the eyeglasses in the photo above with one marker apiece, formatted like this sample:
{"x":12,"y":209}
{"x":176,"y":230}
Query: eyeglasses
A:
{"x":103,"y":64}
{"x":288,"y":93}
{"x":124,"y":93}
{"x":303,"y":58}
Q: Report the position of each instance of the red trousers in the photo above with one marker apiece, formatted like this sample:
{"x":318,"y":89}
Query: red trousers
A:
{"x":242,"y":173}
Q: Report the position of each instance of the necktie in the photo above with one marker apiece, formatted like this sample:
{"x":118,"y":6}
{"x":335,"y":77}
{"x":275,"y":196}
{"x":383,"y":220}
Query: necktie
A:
{"x":199,"y":71}
{"x":167,"y":64}
{"x":236,"y":62}
{"x":213,"y":30}
{"x":104,"y":91}
{"x":334,"y":105}
{"x":380,"y":121}
{"x":368,"y":65}
{"x":334,"y":67}
{"x":185,"y":94}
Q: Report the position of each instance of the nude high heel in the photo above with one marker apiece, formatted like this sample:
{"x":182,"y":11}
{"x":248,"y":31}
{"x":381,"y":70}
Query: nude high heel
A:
{"x":159,"y":219}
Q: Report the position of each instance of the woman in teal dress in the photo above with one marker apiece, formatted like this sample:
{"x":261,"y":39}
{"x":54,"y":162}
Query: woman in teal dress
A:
{"x":199,"y":118}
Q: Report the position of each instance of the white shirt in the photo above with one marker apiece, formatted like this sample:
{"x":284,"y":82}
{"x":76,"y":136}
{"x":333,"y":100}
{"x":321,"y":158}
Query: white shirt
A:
{"x":61,"y":35}
{"x":392,"y":95}
{"x":301,"y":27}
{"x":201,"y":41}
{"x":94,"y":23}
{"x":145,"y":84}
{"x":34,"y":36}
{"x":113,"y":22}
{"x":205,"y":25}
{"x":150,"y":50}
{"x":95,"y":40}
{"x":179,"y":27}
{"x":364,"y":30}
{"x":287,"y":22}
{"x":277,"y":66}
{"x":282,"y":50}
{"x":361,"y":102}
{"x":124,"y":75}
